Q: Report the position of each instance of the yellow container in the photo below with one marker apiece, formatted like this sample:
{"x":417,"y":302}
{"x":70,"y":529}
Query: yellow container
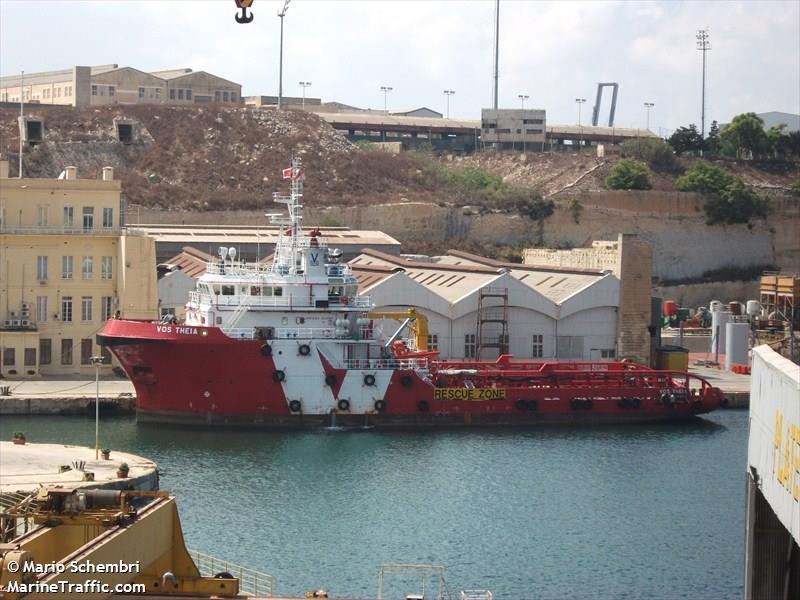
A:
{"x":673,"y":358}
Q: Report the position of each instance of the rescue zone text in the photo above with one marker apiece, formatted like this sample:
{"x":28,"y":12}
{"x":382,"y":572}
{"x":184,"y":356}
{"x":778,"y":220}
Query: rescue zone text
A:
{"x":469,"y":394}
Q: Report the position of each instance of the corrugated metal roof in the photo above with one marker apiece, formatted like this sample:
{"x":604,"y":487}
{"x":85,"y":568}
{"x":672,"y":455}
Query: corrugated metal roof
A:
{"x":266,"y":235}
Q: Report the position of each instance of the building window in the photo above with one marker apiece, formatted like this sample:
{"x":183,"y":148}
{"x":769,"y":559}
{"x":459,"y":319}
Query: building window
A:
{"x":108,"y":217}
{"x":94,"y":90}
{"x":172,"y":94}
{"x":217,"y":96}
{"x":433,"y":341}
{"x":87,"y":267}
{"x":41,"y":268}
{"x":106,"y":302}
{"x":188,"y":94}
{"x":538,"y":345}
{"x":180,"y":94}
{"x":68,"y":90}
{"x":29,"y":359}
{"x":66,"y":267}
{"x":41,"y":309}
{"x":66,"y":352}
{"x":469,"y":345}
{"x":233,"y":96}
{"x":111,"y":90}
{"x":66,"y":309}
{"x":86,"y":308}
{"x":533,"y":131}
{"x":2,"y":215}
{"x":69,"y":216}
{"x":9,"y":357}
{"x":45,"y":351}
{"x":102,"y":89}
{"x":158,"y":93}
{"x":105,"y":267}
{"x":141,"y":92}
{"x":225,"y":96}
{"x":86,"y":351}
{"x":608,"y":353}
{"x":42,"y":218}
{"x":88,"y":217}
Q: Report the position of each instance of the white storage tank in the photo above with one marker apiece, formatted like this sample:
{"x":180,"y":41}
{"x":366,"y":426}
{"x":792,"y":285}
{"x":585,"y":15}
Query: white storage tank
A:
{"x":719,"y":319}
{"x":736,"y":344}
{"x":714,"y":306}
{"x":753,"y":308}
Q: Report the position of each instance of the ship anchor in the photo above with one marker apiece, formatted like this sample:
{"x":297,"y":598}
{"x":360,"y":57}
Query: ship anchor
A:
{"x":244,"y":5}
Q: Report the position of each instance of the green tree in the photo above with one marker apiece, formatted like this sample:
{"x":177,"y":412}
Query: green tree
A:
{"x":686,"y":139}
{"x":737,"y":203}
{"x":712,"y":143}
{"x":628,"y":174}
{"x":705,"y":178}
{"x":654,"y":151}
{"x":746,"y":135}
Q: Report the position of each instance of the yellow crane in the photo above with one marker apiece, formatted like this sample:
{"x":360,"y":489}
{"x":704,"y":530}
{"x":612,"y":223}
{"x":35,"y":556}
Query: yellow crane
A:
{"x":68,"y":533}
{"x":416,"y":322}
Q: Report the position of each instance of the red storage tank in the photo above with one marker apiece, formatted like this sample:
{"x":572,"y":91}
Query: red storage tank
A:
{"x":670,"y":308}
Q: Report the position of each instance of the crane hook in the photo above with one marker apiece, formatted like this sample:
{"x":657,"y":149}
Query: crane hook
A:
{"x":244,"y":5}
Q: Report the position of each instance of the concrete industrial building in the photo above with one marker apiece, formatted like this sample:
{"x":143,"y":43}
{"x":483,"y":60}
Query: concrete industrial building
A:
{"x":112,"y":84}
{"x":67,"y":264}
{"x":513,"y":128}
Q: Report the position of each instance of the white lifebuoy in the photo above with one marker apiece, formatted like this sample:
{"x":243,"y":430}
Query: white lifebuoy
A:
{"x":327,"y":333}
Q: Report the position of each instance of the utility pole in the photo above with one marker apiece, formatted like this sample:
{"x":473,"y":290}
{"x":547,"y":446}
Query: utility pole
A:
{"x":647,"y":107}
{"x":579,"y":102}
{"x":496,"y":48}
{"x":304,"y":85}
{"x":703,"y":44}
{"x":281,"y":14}
{"x":96,"y":361}
{"x":21,"y":118}
{"x":447,"y":94}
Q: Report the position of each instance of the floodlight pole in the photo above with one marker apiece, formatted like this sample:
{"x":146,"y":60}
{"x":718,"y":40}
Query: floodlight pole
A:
{"x":281,"y":14}
{"x":703,"y":44}
{"x":304,"y":85}
{"x":448,"y":93}
{"x":648,"y":106}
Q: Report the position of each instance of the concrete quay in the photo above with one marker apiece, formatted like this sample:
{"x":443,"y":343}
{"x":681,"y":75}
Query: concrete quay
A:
{"x":735,"y":387}
{"x":65,"y":396}
{"x":25,"y":468}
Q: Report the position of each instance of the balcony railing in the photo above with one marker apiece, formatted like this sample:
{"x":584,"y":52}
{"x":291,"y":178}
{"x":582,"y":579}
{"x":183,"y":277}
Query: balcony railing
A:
{"x":46,"y":230}
{"x":275,"y":301}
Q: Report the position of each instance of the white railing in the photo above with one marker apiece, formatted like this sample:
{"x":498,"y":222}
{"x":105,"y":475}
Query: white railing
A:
{"x":215,"y":267}
{"x":386,"y":363}
{"x":475,"y":595}
{"x":251,"y":582}
{"x":275,"y":301}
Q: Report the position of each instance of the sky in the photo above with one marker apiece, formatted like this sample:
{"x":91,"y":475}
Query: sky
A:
{"x":553,"y":52}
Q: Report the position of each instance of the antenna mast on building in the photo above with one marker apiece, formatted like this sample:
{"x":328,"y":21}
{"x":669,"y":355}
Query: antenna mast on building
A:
{"x":703,"y":44}
{"x":496,"y":48}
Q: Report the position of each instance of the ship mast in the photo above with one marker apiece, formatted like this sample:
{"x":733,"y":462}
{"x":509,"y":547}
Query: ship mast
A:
{"x":287,"y":251}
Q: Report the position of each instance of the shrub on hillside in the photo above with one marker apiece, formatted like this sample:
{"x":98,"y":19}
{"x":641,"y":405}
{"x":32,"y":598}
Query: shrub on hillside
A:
{"x":737,"y":203}
{"x":654,"y":151}
{"x":705,"y":178}
{"x":628,"y":174}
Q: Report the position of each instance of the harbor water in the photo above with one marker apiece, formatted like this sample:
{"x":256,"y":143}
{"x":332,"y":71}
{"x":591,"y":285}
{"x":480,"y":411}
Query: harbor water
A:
{"x":653,"y":511}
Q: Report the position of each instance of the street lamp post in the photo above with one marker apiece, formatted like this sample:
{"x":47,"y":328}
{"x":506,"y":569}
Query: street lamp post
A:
{"x":579,"y":102}
{"x":647,"y":107}
{"x":385,"y":89}
{"x":281,"y":14}
{"x":304,"y":85}
{"x":448,"y":93}
{"x":522,"y":98}
{"x":96,"y":361}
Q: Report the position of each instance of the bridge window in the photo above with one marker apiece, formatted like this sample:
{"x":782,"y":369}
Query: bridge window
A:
{"x":228,"y":290}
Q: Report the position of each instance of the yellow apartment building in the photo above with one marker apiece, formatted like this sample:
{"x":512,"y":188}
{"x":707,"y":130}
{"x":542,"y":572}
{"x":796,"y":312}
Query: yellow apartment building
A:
{"x":111,"y":84}
{"x":67,"y":264}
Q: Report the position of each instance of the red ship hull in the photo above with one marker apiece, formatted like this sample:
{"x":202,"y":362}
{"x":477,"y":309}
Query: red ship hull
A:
{"x":196,"y":375}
